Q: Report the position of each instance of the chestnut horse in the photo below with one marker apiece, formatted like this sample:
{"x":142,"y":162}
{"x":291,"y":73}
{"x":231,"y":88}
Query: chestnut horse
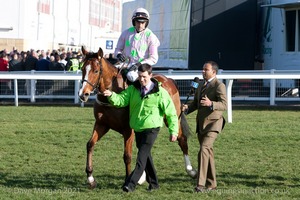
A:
{"x":99,"y":74}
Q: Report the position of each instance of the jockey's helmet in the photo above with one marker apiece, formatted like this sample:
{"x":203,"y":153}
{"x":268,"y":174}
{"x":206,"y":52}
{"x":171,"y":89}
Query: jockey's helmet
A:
{"x":140,"y":15}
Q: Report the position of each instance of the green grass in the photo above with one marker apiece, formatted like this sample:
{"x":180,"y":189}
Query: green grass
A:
{"x":43,"y":155}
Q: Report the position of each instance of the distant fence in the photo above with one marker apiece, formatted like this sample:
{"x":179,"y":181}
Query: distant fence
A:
{"x":262,"y":85}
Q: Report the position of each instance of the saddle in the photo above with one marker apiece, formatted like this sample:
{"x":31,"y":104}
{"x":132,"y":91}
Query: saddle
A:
{"x":122,"y":70}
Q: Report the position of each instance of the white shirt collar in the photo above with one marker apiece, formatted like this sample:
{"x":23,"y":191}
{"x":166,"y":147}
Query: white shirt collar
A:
{"x":210,"y":80}
{"x":149,"y":86}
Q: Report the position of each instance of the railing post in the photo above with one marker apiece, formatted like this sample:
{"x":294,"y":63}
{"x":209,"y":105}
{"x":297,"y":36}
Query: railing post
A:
{"x":229,"y":83}
{"x":220,"y":72}
{"x":272,"y":89}
{"x":76,"y":97}
{"x":32,"y":88}
{"x":16,"y":92}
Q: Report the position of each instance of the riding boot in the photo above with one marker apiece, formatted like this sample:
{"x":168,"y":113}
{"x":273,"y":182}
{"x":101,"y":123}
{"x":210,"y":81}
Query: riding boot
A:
{"x":124,"y":73}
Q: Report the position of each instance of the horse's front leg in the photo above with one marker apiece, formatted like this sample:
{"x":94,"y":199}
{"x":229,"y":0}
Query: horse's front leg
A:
{"x":98,"y":132}
{"x":127,"y":156}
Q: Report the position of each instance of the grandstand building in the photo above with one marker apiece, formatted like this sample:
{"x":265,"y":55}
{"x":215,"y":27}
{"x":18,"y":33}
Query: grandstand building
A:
{"x":54,"y":24}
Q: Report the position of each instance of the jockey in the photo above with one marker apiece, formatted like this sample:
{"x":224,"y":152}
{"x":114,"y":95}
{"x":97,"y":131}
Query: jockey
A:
{"x":137,"y":43}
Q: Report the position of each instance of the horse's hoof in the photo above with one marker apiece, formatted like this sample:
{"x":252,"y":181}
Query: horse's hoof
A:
{"x":192,"y":173}
{"x":92,"y":185}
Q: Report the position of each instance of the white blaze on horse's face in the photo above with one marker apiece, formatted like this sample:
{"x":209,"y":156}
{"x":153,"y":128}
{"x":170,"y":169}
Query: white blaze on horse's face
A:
{"x":86,"y":77}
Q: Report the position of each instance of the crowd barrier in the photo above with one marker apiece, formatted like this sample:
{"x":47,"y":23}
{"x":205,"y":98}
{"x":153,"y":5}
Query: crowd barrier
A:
{"x":263,"y":85}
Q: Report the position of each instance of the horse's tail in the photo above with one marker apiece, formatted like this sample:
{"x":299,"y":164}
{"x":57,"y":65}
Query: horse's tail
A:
{"x":186,"y":130}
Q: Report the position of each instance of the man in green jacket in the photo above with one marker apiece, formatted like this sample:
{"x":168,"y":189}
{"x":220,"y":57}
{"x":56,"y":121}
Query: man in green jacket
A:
{"x":148,"y":103}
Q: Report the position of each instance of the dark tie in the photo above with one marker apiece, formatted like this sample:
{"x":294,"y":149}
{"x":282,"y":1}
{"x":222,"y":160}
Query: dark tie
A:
{"x":144,"y":90}
{"x":204,"y":87}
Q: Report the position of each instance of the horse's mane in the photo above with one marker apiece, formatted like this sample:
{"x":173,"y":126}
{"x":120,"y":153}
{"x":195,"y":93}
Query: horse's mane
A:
{"x":91,"y":55}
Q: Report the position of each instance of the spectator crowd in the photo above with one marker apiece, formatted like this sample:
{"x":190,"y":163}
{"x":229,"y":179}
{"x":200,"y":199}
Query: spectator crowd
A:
{"x":39,"y":60}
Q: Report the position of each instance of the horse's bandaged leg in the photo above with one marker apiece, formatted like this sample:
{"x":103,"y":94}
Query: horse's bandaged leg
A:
{"x":91,"y":179}
{"x":188,"y":167}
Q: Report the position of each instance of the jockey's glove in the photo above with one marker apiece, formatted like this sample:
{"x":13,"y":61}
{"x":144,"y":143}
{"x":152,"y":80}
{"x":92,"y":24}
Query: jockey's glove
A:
{"x":134,"y":67}
{"x":121,"y":57}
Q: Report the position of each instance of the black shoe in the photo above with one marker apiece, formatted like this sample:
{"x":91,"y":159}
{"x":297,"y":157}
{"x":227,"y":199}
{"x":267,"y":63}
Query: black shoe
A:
{"x":151,"y":188}
{"x":126,"y":189}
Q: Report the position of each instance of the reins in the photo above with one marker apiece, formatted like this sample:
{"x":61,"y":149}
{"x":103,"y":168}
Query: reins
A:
{"x":97,"y":85}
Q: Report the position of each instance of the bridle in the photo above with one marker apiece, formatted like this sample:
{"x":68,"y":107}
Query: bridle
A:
{"x":91,"y":57}
{"x":97,"y":84}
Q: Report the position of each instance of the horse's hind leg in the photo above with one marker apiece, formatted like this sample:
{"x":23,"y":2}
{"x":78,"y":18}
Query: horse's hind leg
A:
{"x":182,"y":142}
{"x":98,"y":132}
{"x":184,"y":132}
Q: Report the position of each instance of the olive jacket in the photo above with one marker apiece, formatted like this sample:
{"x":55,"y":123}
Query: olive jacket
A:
{"x":209,"y":118}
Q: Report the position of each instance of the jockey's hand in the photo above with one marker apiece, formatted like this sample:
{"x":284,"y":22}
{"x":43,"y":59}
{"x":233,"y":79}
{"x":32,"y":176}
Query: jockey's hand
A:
{"x":121,"y":57}
{"x":134,"y":67}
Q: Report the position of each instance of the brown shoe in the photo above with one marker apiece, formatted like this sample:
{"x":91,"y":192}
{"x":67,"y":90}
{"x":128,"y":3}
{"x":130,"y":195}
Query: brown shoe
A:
{"x":200,"y":189}
{"x":211,"y":188}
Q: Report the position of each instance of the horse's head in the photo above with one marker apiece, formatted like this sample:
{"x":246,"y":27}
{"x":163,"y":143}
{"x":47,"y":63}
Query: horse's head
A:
{"x":97,"y":74}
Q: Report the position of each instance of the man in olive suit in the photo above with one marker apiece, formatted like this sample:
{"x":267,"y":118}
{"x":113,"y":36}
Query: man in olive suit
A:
{"x":210,"y":101}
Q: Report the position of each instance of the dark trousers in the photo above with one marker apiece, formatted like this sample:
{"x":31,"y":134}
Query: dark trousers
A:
{"x":144,"y":143}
